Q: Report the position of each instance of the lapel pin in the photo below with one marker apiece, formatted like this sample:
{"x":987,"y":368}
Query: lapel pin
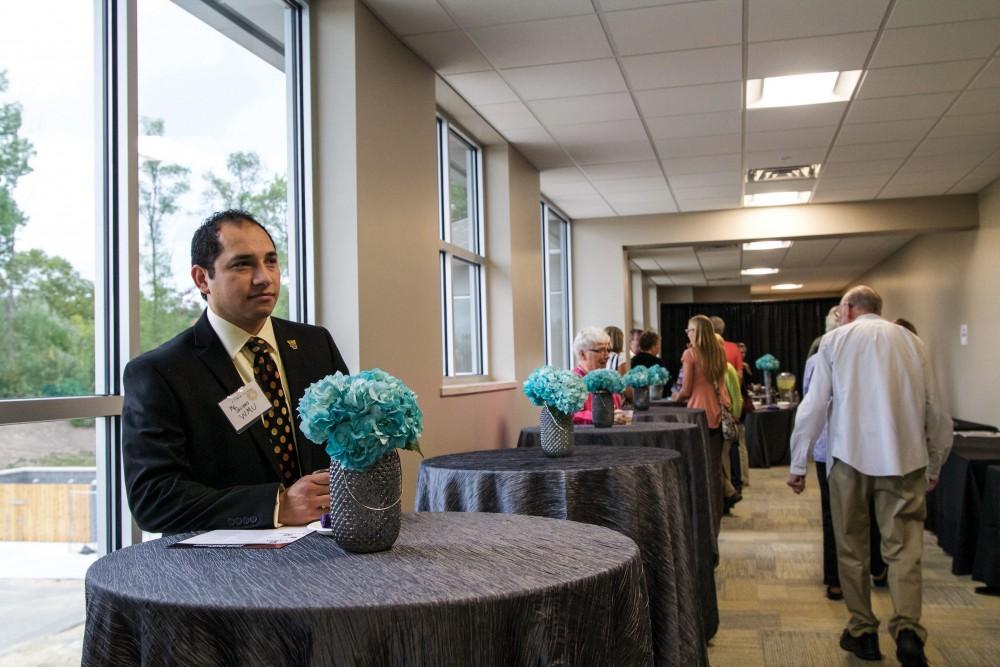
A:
{"x":292,"y":343}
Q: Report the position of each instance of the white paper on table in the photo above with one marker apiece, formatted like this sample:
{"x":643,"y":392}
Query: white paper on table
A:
{"x":267,"y":538}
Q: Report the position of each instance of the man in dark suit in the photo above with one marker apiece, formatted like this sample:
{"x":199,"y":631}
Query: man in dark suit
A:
{"x":186,"y":466}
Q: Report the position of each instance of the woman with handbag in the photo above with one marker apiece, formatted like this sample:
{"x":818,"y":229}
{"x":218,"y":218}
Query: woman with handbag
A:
{"x":704,"y":367}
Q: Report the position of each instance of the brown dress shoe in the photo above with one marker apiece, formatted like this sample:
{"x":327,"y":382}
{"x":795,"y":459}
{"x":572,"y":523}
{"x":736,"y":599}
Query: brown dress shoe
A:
{"x":910,"y":649}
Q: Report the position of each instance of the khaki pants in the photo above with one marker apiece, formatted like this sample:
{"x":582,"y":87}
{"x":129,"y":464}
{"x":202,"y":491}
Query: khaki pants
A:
{"x":900,"y":511}
{"x":744,"y":456}
{"x":727,"y":470}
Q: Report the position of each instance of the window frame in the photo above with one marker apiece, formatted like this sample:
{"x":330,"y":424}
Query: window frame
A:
{"x":548,"y":210}
{"x":449,"y":251}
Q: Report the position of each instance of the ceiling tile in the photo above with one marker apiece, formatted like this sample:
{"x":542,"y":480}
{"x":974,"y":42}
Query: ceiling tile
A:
{"x":923,"y":163}
{"x":694,"y":125}
{"x":791,"y":118}
{"x":785,"y":157}
{"x":867,"y":167}
{"x":507,"y":116}
{"x":914,"y":79}
{"x":680,"y":259}
{"x":926,"y":12}
{"x":872,"y":151}
{"x":905,"y":107}
{"x":476,"y":14}
{"x":785,"y":19}
{"x":696,"y":279}
{"x":585,"y":109}
{"x":858,"y":182}
{"x":897,"y":130}
{"x":715,"y":145}
{"x":937,"y":43}
{"x":601,"y":153}
{"x":411,"y":17}
{"x":568,"y":79}
{"x":645,"y":263}
{"x":681,"y":68}
{"x":611,"y":131}
{"x":731,"y":178}
{"x":708,"y":192}
{"x":967,"y":144}
{"x":701,"y":165}
{"x":449,"y":52}
{"x":545,"y":157}
{"x":614,"y":5}
{"x":676,"y":27}
{"x":977,"y":179}
{"x":710,"y":204}
{"x":952,"y":126}
{"x":643,"y":184}
{"x":564,"y":175}
{"x":920,"y":190}
{"x":835,"y":53}
{"x":990,"y":76}
{"x":576,"y":189}
{"x":828,"y":196}
{"x":690,"y":99}
{"x":946,"y":178}
{"x":856,"y":250}
{"x":482,"y":88}
{"x":807,"y":253}
{"x":543,"y":42}
{"x":584,"y":211}
{"x":642,"y":203}
{"x":782,"y":139}
{"x":614,"y":172}
{"x":727,"y":260}
{"x":983,"y":100}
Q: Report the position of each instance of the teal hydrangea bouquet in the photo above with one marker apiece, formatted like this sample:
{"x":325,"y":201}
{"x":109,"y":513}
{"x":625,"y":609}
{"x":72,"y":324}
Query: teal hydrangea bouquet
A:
{"x":362,"y":417}
{"x":637,"y":376}
{"x":767,"y":363}
{"x":658,"y":375}
{"x":557,"y":388}
{"x":604,"y":379}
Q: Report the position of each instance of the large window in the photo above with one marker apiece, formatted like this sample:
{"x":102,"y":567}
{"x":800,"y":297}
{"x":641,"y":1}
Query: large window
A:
{"x":462,"y":255}
{"x":98,"y":199}
{"x":558,"y":306}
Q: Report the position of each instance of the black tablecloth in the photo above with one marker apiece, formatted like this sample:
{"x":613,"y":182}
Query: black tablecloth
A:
{"x":638,"y":491}
{"x":689,"y":441}
{"x":963,"y":425}
{"x":986,"y":567}
{"x":769,"y":433}
{"x":460,"y":589}
{"x":958,"y":499}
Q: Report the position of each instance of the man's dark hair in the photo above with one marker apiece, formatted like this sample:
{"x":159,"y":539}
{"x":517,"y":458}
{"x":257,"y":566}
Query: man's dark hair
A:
{"x":205,"y":246}
{"x":648,"y":340}
{"x":906,"y":324}
{"x":633,"y":332}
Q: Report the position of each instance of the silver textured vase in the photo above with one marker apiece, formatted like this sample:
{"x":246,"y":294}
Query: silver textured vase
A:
{"x":640,"y":398}
{"x":555,"y":432}
{"x":768,"y":395}
{"x":365,"y":505}
{"x":655,"y":392}
{"x":602,"y":409}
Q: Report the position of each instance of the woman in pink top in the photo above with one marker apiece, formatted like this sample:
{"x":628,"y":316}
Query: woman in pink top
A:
{"x":704,"y":369}
{"x":593,"y":347}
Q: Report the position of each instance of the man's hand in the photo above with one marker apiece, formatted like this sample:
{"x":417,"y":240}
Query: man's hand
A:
{"x":305,"y":500}
{"x":931,"y":485}
{"x":797,"y":482}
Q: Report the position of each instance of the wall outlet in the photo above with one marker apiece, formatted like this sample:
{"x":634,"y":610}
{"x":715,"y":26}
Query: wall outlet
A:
{"x":963,"y":334}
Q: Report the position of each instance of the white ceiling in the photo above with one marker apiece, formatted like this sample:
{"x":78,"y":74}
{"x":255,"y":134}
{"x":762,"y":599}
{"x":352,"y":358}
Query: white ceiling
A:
{"x":820,"y":265}
{"x":631,"y":107}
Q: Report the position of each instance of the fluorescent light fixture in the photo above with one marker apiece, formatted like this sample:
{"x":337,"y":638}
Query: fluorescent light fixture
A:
{"x":776,"y":198}
{"x":787,"y":286}
{"x":766,"y":245}
{"x":800,"y":89}
{"x":758,"y":271}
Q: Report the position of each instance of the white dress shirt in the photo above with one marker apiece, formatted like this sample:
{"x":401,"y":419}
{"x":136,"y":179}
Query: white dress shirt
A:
{"x":874,"y":387}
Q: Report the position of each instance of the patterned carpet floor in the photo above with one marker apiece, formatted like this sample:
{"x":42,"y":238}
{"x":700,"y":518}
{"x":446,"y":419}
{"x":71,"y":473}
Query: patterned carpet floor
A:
{"x":771,"y":596}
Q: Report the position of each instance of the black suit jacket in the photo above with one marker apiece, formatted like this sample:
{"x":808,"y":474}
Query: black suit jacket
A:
{"x":186,"y":468}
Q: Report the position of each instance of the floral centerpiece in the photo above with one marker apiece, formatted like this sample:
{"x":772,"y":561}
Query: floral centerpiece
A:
{"x":768,"y":364}
{"x":559,"y":393}
{"x":362,"y":420}
{"x":658,"y":377}
{"x":601,"y":384}
{"x":637,"y":378}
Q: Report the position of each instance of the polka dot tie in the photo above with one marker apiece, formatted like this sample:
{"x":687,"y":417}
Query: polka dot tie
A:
{"x":277,"y":421}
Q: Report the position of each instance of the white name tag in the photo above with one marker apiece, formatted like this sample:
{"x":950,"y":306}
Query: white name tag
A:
{"x":245,"y":405}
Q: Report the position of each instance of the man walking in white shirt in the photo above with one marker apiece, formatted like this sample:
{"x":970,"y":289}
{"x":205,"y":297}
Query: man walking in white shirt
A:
{"x":888,"y":437}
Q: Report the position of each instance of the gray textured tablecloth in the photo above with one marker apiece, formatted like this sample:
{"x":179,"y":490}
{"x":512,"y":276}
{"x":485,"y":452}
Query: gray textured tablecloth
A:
{"x":769,"y":434}
{"x":456,"y":589}
{"x":640,"y":492}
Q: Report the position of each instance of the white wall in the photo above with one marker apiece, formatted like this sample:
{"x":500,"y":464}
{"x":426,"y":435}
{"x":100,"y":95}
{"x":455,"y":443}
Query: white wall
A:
{"x":940,"y":281}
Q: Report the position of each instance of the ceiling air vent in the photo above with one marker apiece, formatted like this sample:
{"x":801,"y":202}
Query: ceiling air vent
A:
{"x":771,"y":174}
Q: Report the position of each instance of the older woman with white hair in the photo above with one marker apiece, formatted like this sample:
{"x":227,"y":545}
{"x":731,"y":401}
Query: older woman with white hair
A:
{"x":592,"y":347}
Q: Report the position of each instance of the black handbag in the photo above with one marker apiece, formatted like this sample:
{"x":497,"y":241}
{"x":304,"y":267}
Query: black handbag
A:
{"x":730,"y":429}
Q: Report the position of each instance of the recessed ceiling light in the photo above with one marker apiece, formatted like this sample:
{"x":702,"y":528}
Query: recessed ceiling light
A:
{"x":787,"y":286}
{"x":766,"y":245}
{"x":758,"y":271}
{"x":777,"y":198}
{"x":799,"y":89}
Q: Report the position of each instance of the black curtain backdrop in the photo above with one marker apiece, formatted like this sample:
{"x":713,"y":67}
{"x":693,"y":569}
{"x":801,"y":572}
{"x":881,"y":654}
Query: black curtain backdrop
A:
{"x":785,"y":329}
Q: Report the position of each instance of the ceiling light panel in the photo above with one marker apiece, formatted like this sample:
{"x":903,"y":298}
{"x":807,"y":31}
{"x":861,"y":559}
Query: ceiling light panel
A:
{"x":777,"y":198}
{"x":787,"y":286}
{"x":801,"y":89}
{"x":774,"y":244}
{"x":759,"y":271}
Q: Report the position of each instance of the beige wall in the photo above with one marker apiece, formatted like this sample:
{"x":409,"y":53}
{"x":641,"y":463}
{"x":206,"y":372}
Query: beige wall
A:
{"x":940,"y":281}
{"x":377,"y":235}
{"x":598,"y":276}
